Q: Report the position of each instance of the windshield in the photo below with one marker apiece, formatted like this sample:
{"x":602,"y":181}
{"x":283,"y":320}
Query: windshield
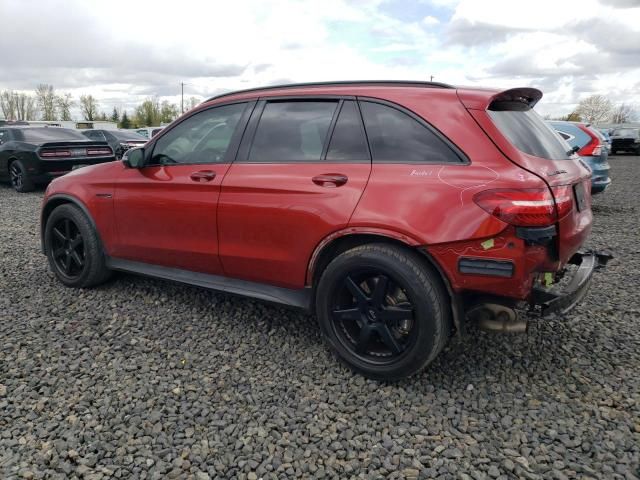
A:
{"x":528,"y":132}
{"x":51,"y":134}
{"x":625,"y":132}
{"x":125,"y":135}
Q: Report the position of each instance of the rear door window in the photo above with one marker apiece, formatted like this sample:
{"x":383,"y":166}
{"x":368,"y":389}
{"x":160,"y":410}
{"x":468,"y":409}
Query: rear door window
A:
{"x":528,"y":132}
{"x":348,"y":141}
{"x":396,"y":137}
{"x":292,"y":131}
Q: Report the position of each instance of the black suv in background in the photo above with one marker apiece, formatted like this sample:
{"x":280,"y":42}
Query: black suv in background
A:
{"x":625,"y":139}
{"x":29,"y":155}
{"x":119,"y":140}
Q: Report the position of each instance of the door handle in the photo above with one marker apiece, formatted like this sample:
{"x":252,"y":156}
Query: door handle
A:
{"x":330,"y":180}
{"x":203,"y":176}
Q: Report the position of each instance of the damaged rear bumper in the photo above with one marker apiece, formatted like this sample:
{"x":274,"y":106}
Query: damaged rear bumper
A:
{"x":545,"y":302}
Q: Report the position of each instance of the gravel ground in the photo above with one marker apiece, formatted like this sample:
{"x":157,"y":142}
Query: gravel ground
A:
{"x":146,"y":379}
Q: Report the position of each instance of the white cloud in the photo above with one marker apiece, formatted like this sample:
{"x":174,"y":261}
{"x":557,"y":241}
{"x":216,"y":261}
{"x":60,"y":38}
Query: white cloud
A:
{"x":430,"y":20}
{"x":122,"y":51}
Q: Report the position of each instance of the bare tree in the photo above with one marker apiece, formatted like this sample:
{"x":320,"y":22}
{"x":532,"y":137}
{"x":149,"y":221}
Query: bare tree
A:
{"x":46,"y":96}
{"x":595,"y":109}
{"x":623,"y":113}
{"x":26,"y":107}
{"x":65,"y":104}
{"x":89,"y":107}
{"x":191,"y":103}
{"x":7,"y":104}
{"x":17,"y":106}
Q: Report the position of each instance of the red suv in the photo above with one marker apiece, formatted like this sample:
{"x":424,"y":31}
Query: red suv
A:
{"x":393,"y":210}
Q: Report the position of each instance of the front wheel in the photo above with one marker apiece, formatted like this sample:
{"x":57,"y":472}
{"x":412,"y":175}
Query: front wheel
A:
{"x":73,"y":249}
{"x":383,"y":311}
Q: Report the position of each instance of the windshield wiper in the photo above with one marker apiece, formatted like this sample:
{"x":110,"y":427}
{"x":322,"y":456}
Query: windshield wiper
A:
{"x":573,"y":150}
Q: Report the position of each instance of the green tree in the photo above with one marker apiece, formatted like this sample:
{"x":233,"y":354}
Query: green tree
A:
{"x":168,"y":112}
{"x":124,"y":121}
{"x":148,"y":113}
{"x":115,"y":115}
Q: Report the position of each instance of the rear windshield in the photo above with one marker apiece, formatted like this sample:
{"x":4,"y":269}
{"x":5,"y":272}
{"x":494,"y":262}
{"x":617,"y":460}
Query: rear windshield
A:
{"x":625,"y":132}
{"x":51,"y":134}
{"x":528,"y":132}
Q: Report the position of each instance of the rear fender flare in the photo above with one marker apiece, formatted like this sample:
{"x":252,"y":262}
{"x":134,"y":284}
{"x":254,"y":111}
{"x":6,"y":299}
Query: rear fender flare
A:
{"x":457,"y":309}
{"x":351,"y":231}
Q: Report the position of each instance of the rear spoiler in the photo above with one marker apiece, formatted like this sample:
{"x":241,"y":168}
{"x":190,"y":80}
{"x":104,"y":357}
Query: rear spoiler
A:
{"x":476,"y":99}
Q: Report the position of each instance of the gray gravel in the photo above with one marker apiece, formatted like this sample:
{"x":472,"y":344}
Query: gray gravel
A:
{"x":147,"y":379}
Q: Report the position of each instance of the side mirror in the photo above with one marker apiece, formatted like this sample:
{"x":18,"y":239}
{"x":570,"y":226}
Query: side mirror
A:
{"x":134,"y":157}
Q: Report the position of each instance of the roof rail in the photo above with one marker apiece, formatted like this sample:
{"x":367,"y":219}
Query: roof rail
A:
{"x":409,"y":83}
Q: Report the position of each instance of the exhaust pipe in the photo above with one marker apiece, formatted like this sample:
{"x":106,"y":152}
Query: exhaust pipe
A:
{"x":492,"y":317}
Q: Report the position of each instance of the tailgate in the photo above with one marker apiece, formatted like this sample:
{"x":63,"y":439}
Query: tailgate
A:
{"x":524,"y":138}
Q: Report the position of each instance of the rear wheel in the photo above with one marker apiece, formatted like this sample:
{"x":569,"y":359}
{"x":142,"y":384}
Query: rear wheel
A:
{"x":19,"y":177}
{"x":73,"y":249}
{"x":383,"y":311}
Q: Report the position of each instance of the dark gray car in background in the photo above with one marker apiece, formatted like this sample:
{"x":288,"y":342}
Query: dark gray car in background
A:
{"x":625,"y":139}
{"x":119,"y":140}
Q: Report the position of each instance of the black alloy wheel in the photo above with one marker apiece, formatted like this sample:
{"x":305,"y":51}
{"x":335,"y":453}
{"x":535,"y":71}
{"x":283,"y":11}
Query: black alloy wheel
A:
{"x":383,"y":310}
{"x":73,"y":248}
{"x":19,"y":177}
{"x":68,"y":248}
{"x":373,"y":316}
{"x":16,"y":176}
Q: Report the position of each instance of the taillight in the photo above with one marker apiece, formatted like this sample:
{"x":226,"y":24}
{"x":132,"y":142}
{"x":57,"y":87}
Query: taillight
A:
{"x":55,"y":153}
{"x":564,"y":200}
{"x":99,"y":151}
{"x":527,"y":207}
{"x":593,"y":148}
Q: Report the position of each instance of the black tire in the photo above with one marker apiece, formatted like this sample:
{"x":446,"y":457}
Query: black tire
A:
{"x":19,"y":177}
{"x":413,"y":309}
{"x":73,"y":249}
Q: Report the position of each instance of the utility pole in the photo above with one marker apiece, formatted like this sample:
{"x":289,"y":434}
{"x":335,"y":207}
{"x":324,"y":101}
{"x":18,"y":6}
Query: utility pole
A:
{"x":182,"y":96}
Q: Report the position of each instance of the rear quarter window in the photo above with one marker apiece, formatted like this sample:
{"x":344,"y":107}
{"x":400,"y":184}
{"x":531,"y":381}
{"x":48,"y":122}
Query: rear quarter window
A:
{"x":396,"y":137}
{"x":528,"y":132}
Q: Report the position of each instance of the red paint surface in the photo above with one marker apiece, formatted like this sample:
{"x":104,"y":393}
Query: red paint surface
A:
{"x":268,"y":222}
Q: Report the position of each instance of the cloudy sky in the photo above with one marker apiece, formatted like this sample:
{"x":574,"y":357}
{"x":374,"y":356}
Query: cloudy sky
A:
{"x":123,"y":51}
